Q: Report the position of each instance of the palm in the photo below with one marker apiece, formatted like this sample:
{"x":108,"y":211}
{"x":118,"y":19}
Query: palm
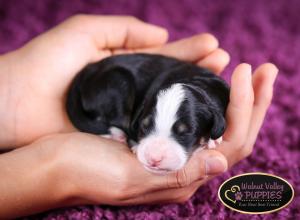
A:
{"x":52,"y":60}
{"x":46,"y":86}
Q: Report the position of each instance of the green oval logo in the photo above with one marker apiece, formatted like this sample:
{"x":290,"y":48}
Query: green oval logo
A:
{"x":256,"y":193}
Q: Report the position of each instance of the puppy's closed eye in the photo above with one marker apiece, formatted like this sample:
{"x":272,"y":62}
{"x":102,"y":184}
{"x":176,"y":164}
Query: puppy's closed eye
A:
{"x":146,"y":123}
{"x":181,"y":128}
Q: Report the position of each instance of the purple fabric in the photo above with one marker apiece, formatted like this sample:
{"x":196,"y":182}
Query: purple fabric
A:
{"x":252,"y":31}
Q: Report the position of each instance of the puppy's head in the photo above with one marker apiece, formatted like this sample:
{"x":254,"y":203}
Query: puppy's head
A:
{"x":171,"y":126}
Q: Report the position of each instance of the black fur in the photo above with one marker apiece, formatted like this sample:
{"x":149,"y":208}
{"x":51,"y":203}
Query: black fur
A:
{"x":121,"y":91}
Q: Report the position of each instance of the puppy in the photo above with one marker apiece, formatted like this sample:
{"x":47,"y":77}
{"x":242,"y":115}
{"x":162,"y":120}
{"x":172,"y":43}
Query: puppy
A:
{"x":167,"y":107}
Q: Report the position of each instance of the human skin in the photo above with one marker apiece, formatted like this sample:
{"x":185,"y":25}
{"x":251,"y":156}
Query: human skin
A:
{"x":56,"y":166}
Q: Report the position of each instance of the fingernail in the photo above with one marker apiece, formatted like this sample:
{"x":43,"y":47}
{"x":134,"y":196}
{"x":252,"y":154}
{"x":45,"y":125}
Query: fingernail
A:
{"x":215,"y":165}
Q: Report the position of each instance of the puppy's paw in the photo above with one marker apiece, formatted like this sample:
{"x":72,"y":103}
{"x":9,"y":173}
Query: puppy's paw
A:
{"x":117,"y":134}
{"x":108,"y":136}
{"x":211,"y":144}
{"x":219,"y":140}
{"x":214,"y":143}
{"x":134,"y":149}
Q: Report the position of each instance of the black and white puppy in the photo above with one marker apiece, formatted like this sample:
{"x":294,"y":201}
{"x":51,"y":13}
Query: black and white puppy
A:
{"x":167,"y":106}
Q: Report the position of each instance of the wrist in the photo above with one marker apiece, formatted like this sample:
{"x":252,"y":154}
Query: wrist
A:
{"x":32,"y":178}
{"x":7,"y":100}
{"x":59,"y":178}
{"x":55,"y":168}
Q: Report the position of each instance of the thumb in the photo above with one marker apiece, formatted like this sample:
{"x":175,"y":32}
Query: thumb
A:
{"x":201,"y":164}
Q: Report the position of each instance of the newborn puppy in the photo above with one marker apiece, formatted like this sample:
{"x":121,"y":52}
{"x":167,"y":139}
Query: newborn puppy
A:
{"x":167,"y":107}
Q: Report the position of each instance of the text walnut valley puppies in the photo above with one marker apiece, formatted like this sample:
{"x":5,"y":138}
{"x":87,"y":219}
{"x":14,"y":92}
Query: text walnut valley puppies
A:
{"x":256,"y":193}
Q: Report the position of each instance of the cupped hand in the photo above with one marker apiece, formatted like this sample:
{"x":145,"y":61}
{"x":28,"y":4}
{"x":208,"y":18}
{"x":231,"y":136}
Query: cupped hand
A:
{"x":89,"y":169}
{"x":78,"y":168}
{"x":250,"y":98}
{"x":40,"y":72}
{"x":106,"y":172}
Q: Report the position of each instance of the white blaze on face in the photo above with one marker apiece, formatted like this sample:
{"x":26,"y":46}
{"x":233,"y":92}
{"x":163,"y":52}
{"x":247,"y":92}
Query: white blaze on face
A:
{"x":168,"y":103}
{"x":158,"y":151}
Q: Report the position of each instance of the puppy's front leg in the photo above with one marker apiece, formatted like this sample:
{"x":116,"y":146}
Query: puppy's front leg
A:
{"x":116,"y":134}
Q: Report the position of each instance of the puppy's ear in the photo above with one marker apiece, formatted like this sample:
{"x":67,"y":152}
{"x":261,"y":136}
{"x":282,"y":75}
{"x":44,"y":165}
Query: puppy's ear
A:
{"x":135,"y":120}
{"x":218,"y":126}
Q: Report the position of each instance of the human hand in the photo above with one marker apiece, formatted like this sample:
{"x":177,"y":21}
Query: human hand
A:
{"x":44,"y":111}
{"x":250,"y":98}
{"x":40,"y":73}
{"x":78,"y":168}
{"x":96,"y":170}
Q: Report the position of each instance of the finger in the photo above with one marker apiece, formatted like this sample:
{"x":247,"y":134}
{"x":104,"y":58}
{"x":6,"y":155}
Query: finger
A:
{"x":216,"y":61}
{"x":166,"y":195}
{"x":190,"y":49}
{"x":119,"y":31}
{"x":201,"y":164}
{"x":239,"y":111}
{"x":263,"y":80}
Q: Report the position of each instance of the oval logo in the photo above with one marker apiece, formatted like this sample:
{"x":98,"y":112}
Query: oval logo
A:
{"x":256,"y":193}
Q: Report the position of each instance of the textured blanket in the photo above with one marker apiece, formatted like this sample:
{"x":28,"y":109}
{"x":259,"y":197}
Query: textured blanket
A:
{"x":253,"y":31}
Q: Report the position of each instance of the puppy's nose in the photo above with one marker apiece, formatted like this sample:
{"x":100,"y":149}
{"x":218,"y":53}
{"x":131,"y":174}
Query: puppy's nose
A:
{"x":154,"y":160}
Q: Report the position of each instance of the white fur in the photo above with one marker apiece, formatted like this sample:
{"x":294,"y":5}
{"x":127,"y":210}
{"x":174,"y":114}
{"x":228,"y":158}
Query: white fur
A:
{"x":159,"y":145}
{"x":202,"y":142}
{"x":213,"y":143}
{"x":173,"y":155}
{"x":115,"y":134}
{"x":168,"y":103}
{"x":219,"y":140}
{"x":108,"y":136}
